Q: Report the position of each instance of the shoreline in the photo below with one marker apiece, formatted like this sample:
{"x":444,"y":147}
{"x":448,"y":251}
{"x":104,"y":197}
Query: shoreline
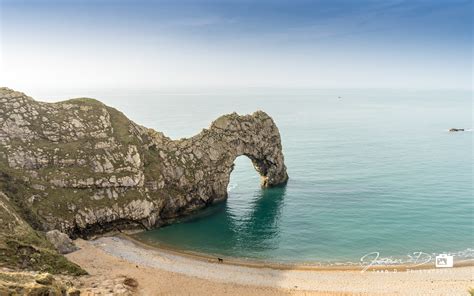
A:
{"x":255,"y":263}
{"x":184,"y":274}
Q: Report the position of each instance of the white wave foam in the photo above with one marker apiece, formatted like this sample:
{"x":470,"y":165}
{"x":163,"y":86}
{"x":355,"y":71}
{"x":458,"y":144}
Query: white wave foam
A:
{"x":231,"y":187}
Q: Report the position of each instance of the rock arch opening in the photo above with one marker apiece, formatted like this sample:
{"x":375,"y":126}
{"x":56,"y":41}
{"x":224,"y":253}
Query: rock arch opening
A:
{"x":243,"y":173}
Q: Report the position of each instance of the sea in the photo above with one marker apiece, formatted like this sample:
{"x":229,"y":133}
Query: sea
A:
{"x":373,"y":173}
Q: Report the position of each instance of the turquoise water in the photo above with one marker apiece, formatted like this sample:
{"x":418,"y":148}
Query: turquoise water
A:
{"x":375,"y":171}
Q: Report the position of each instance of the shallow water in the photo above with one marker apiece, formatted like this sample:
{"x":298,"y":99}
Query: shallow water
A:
{"x":375,"y":171}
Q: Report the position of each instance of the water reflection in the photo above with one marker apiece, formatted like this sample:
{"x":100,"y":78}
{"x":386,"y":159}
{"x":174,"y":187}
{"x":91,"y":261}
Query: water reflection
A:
{"x":260,"y":228}
{"x":223,"y":229}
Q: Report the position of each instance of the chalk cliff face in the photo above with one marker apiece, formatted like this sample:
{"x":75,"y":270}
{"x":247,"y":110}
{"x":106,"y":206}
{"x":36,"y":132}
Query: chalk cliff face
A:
{"x":83,"y":168}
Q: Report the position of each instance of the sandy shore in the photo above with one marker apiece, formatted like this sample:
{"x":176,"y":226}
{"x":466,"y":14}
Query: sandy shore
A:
{"x":160,"y":272}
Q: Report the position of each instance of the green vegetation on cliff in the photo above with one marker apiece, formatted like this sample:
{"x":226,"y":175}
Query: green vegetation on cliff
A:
{"x":22,"y":247}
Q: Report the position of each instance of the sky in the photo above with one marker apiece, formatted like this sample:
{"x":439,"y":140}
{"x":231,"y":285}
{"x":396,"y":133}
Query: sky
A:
{"x":235,"y":44}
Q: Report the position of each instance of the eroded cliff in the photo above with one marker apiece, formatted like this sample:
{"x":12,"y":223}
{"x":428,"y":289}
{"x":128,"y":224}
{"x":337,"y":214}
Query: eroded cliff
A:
{"x":83,"y":168}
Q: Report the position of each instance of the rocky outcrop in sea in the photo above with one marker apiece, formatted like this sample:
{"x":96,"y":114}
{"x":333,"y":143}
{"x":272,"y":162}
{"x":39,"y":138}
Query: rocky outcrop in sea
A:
{"x":84,"y":168}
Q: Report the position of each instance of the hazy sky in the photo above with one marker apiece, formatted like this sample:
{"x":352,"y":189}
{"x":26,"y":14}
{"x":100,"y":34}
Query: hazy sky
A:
{"x":163,"y":44}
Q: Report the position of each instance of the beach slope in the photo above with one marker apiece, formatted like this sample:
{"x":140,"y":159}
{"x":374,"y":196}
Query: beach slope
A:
{"x":160,"y":272}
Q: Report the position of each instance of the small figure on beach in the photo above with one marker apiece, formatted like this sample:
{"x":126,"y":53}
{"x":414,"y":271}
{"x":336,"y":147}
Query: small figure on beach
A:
{"x":456,"y":129}
{"x":220,"y":260}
